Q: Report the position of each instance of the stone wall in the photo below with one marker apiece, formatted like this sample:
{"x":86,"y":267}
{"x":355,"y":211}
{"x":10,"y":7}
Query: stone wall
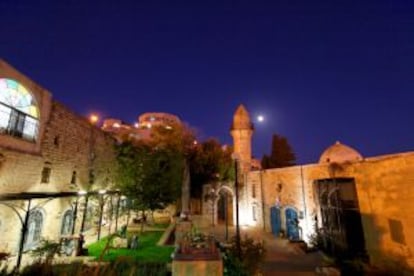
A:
{"x":70,"y":146}
{"x":385,"y":190}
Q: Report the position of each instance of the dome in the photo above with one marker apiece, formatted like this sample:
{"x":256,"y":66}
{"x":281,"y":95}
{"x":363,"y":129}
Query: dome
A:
{"x":339,"y":153}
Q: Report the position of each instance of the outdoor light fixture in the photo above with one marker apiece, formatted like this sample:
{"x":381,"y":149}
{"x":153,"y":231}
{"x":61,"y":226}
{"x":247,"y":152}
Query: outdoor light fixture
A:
{"x":82,"y":192}
{"x":101,"y":192}
{"x":93,"y":118}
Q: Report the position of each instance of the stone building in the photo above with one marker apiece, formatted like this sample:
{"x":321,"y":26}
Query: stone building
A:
{"x":47,"y":155}
{"x":141,"y":130}
{"x":363,"y":205}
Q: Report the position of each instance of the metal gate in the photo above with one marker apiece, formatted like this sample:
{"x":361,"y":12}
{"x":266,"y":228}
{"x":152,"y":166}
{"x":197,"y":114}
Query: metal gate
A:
{"x":341,"y":219}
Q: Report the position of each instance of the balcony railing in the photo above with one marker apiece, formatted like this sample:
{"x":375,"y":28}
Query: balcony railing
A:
{"x":18,"y":124}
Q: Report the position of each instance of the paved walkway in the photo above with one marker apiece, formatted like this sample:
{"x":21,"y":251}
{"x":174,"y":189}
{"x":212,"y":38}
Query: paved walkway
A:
{"x":282,"y":257}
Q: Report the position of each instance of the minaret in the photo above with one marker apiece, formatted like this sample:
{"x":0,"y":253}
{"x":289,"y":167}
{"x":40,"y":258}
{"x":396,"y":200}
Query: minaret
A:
{"x":242,"y":131}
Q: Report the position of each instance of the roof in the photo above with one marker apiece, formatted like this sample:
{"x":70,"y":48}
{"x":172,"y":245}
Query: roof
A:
{"x":340,"y":153}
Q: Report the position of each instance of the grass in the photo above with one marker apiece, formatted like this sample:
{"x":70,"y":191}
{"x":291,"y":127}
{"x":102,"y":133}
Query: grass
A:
{"x":147,"y":250}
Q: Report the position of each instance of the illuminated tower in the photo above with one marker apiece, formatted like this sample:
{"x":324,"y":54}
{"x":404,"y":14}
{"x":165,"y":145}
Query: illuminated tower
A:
{"x":242,"y":131}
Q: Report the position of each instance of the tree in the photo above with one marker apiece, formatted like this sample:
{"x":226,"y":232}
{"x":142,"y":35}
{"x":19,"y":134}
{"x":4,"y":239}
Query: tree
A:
{"x":209,"y":161}
{"x":178,"y":138}
{"x":151,"y":177}
{"x":282,"y":154}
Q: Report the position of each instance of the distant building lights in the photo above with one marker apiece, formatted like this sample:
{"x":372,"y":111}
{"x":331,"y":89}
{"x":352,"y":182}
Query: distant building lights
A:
{"x":116,"y":125}
{"x":168,"y":127}
{"x":136,"y":125}
{"x":149,"y":125}
{"x":195,"y":142}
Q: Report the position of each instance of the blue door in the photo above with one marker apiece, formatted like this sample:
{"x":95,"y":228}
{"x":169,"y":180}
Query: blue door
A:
{"x":292,"y":227}
{"x":275,"y":220}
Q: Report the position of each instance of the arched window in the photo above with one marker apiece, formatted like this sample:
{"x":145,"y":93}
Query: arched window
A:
{"x":19,"y":115}
{"x":67,"y":223}
{"x":34,"y":229}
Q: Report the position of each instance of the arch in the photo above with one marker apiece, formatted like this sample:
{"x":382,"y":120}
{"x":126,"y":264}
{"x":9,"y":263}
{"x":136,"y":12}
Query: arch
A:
{"x":227,"y":189}
{"x":67,"y":223}
{"x":34,"y":228}
{"x":221,"y":210}
{"x":225,"y":206}
{"x":19,"y":112}
{"x":333,"y":197}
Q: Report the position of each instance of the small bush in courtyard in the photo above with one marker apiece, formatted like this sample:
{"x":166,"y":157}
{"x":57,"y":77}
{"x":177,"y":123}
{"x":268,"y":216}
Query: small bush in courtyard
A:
{"x":252,"y":255}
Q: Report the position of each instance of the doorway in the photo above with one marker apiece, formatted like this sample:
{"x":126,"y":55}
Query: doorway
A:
{"x":225,"y":207}
{"x":292,"y":224}
{"x":275,"y":220}
{"x":343,"y":234}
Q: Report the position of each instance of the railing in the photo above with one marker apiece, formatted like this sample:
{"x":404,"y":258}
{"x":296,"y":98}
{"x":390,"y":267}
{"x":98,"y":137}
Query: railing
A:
{"x":18,"y":124}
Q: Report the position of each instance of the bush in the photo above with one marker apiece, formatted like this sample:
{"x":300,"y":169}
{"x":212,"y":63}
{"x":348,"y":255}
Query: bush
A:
{"x":252,"y":255}
{"x":122,"y":266}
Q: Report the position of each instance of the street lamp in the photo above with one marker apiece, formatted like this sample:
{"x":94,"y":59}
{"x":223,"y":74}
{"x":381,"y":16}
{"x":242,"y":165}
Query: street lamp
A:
{"x":235,"y":157}
{"x":93,"y":118}
{"x":85,"y":209}
{"x":117,"y":209}
{"x":101,"y":206}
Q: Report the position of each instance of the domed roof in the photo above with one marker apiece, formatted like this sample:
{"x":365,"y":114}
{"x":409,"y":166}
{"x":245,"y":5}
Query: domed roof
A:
{"x":339,"y":153}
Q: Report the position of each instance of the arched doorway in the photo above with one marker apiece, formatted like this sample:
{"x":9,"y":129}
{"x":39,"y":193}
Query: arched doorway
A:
{"x":225,"y":207}
{"x":292,"y":224}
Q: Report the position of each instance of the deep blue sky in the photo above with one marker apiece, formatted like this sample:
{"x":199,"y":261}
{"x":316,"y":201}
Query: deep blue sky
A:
{"x":320,"y":71}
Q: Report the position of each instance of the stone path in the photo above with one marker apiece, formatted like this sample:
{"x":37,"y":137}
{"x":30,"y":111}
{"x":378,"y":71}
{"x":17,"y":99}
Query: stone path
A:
{"x":282,"y":257}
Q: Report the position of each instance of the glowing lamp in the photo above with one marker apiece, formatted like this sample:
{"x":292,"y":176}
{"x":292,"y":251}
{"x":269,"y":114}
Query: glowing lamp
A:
{"x":82,"y":192}
{"x":93,"y":118}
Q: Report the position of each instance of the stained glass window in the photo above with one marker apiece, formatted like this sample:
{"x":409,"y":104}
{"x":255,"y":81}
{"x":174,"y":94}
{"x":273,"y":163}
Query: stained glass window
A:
{"x":18,"y":110}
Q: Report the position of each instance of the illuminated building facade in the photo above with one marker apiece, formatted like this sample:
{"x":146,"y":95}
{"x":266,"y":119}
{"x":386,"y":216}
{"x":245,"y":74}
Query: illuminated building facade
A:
{"x":141,"y":130}
{"x":362,"y":205}
{"x":47,"y":149}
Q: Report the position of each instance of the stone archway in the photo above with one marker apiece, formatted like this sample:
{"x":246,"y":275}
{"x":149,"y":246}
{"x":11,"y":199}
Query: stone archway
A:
{"x":225,"y":206}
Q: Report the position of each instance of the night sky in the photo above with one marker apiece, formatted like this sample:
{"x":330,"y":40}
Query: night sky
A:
{"x":319,"y":71}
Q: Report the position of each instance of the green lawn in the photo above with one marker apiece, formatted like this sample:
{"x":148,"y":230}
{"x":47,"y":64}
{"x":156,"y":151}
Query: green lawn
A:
{"x":147,"y":250}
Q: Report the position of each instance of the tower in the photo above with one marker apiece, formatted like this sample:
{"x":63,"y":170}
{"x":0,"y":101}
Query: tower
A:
{"x":242,"y":131}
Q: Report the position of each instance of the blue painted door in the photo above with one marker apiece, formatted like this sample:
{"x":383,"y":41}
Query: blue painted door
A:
{"x":292,"y":227}
{"x":275,"y":220}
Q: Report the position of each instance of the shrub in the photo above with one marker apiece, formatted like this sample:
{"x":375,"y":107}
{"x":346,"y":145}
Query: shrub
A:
{"x":252,"y":255}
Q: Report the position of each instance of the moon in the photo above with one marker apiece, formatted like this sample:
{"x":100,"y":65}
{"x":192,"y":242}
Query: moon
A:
{"x":260,"y":118}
